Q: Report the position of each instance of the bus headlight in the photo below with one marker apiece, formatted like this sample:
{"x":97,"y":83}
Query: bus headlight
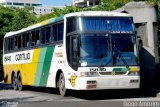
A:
{"x":88,"y":74}
{"x":134,"y":71}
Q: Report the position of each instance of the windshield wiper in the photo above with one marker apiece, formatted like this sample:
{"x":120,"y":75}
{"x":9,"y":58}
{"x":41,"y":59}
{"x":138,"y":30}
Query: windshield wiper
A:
{"x":103,"y":57}
{"x":124,"y":61}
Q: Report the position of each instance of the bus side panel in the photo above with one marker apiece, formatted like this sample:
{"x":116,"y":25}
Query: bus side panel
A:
{"x":29,"y":70}
{"x":43,"y":67}
{"x":8,"y":71}
{"x":57,"y":63}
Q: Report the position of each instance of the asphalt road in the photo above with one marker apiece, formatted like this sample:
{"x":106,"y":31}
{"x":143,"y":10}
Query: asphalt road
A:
{"x":49,"y":97}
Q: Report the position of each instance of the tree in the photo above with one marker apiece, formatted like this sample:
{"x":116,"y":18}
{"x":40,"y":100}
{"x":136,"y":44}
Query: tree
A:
{"x":6,"y":18}
{"x":58,"y":12}
{"x":23,"y":18}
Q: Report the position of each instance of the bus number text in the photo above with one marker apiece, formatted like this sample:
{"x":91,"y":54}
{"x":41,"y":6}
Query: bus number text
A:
{"x":7,"y":58}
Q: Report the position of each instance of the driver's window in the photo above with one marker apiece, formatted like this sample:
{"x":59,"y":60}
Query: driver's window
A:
{"x":74,"y":51}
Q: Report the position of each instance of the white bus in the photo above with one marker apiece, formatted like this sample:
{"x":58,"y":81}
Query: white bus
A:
{"x":90,"y":50}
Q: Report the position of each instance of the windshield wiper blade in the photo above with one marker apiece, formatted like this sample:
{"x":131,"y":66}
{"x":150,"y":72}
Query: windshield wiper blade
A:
{"x":103,"y":57}
{"x":124,"y":61}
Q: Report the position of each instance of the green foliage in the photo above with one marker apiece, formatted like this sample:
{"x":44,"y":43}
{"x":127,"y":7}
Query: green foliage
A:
{"x":12,"y":19}
{"x":23,"y":18}
{"x":6,"y":17}
{"x":108,"y":5}
{"x":58,"y":12}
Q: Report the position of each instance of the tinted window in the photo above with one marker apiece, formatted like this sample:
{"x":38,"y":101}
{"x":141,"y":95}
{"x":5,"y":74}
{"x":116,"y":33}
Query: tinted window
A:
{"x":71,"y":24}
{"x":43,"y":35}
{"x":54,"y":30}
{"x":33,"y":35}
{"x":37,"y":37}
{"x":10,"y":43}
{"x":60,"y":31}
{"x":17,"y":42}
{"x":48,"y":34}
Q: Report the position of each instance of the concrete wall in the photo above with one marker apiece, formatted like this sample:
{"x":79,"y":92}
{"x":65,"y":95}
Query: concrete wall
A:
{"x":146,"y":19}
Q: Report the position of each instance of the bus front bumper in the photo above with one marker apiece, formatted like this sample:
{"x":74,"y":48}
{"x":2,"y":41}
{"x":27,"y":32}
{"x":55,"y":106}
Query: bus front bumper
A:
{"x":111,"y":82}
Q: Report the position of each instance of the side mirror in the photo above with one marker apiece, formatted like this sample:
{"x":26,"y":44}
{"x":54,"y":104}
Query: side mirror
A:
{"x":140,"y":45}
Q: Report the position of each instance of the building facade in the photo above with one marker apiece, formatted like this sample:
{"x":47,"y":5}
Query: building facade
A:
{"x":86,"y":3}
{"x":20,"y":3}
{"x":42,"y":10}
{"x":38,"y":9}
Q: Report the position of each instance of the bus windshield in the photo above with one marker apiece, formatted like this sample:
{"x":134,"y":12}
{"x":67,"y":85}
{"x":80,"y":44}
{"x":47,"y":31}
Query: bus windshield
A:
{"x":106,"y":24}
{"x":107,"y":50}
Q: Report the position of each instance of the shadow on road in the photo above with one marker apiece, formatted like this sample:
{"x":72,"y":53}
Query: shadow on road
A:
{"x":115,"y":94}
{"x":101,"y":94}
{"x":4,"y":86}
{"x":41,"y":89}
{"x":92,"y":95}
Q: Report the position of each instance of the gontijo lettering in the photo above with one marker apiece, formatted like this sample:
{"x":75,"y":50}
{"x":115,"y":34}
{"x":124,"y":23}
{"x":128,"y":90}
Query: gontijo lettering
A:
{"x":23,"y":56}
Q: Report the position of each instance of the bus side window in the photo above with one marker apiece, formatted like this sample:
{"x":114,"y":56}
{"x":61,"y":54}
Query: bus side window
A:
{"x":60,"y":31}
{"x":27,"y":40}
{"x":33,"y":38}
{"x":17,"y":42}
{"x":6,"y":44}
{"x":54,"y":34}
{"x":48,"y":34}
{"x":24,"y":40}
{"x":11,"y":43}
{"x":43,"y":35}
{"x":37,"y":37}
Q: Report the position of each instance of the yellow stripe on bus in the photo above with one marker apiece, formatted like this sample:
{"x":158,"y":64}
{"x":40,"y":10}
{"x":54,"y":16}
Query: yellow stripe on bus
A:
{"x":44,"y":23}
{"x":32,"y":68}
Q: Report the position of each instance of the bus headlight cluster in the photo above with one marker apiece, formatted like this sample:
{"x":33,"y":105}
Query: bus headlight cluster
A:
{"x":88,"y":74}
{"x":134,"y":71}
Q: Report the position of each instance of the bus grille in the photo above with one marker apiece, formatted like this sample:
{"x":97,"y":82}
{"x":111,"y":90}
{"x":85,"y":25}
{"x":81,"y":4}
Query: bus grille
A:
{"x":112,"y":73}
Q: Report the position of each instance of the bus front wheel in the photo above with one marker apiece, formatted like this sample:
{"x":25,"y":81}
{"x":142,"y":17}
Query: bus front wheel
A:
{"x":14,"y":78}
{"x":61,"y":84}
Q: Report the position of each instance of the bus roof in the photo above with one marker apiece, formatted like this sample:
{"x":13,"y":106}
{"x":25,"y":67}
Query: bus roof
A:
{"x":98,"y":13}
{"x":46,"y":22}
{"x":53,"y":20}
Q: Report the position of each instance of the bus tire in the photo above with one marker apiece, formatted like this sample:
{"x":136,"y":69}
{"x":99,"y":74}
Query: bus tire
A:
{"x":61,"y":85}
{"x":14,"y":79}
{"x":19,"y":82}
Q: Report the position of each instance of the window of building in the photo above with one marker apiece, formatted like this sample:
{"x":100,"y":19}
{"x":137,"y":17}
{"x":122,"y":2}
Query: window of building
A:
{"x":20,"y":4}
{"x":27,"y":4}
{"x":9,"y":3}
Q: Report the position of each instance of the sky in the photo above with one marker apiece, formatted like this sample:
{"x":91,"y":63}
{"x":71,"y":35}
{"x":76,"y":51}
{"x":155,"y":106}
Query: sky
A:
{"x":56,"y":2}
